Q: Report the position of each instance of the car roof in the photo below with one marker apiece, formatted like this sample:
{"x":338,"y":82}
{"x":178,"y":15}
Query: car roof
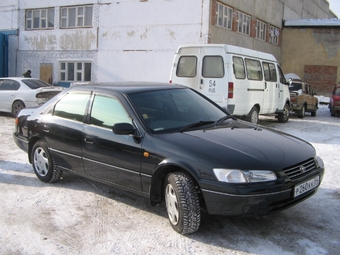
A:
{"x":126,"y":86}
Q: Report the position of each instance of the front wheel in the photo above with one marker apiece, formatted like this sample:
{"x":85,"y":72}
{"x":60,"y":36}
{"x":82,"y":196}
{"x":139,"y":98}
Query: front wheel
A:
{"x":182,"y":203}
{"x":43,"y":164}
{"x":284,"y":116}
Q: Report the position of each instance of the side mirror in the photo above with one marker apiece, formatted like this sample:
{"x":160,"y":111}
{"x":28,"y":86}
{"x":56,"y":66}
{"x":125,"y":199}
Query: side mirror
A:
{"x":123,"y":129}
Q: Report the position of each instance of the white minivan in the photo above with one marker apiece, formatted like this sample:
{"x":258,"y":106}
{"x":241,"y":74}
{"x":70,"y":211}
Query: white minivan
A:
{"x":244,"y":81}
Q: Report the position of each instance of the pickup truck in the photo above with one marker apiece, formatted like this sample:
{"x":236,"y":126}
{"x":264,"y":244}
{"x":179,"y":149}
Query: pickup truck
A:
{"x":302,"y":98}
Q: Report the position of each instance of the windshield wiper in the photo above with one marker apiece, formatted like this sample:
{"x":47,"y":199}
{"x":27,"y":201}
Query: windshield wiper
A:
{"x":221,"y":120}
{"x":196,"y":124}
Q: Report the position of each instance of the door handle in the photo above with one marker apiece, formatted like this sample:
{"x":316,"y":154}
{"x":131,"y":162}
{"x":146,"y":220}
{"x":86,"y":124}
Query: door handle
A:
{"x":265,"y":85}
{"x":88,"y":140}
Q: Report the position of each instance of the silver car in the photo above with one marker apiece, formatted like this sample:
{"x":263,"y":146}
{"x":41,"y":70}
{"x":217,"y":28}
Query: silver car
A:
{"x":17,"y":93}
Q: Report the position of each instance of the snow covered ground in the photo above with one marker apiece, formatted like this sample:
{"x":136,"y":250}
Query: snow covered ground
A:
{"x":78,"y":216}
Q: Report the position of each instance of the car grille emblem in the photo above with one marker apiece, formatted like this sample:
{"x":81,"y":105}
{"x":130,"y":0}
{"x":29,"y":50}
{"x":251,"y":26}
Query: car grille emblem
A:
{"x":302,"y":169}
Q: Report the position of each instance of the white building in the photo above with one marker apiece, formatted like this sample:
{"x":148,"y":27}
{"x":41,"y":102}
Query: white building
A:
{"x":80,"y":40}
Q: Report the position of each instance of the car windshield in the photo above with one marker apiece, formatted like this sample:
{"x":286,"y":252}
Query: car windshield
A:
{"x":174,"y":110}
{"x":35,"y":84}
{"x":295,"y":86}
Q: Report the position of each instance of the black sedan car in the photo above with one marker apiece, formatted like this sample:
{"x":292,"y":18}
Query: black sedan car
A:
{"x":168,"y":143}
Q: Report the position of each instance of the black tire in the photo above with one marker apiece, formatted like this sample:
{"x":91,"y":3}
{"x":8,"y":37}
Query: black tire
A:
{"x":16,"y":107}
{"x":43,"y":164}
{"x":302,"y":112}
{"x":253,"y":115}
{"x":332,"y":112}
{"x":313,"y":113}
{"x":284,"y":117}
{"x":182,"y":203}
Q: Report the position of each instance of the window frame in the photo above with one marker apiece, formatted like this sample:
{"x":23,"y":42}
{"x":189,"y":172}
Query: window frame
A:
{"x":244,"y":68}
{"x":179,"y":69}
{"x":226,"y":19}
{"x":261,"y":30}
{"x":66,"y":75}
{"x":70,"y":19}
{"x":205,"y":70}
{"x":30,"y":18}
{"x":272,"y":78}
{"x":274,"y":35}
{"x":243,"y":23}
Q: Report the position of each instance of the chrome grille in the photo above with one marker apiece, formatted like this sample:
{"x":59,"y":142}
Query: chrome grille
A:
{"x":296,"y":171}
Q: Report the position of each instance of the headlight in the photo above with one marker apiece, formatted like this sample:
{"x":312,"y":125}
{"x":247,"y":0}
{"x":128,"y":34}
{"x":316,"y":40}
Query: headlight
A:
{"x":243,"y":176}
{"x":319,"y":162}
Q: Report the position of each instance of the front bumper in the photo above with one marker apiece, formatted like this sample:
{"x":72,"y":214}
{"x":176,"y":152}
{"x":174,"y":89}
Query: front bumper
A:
{"x":219,"y":202}
{"x":21,"y":142}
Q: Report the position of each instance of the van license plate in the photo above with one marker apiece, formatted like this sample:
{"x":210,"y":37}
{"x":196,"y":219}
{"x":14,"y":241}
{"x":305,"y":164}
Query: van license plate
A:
{"x":306,"y":186}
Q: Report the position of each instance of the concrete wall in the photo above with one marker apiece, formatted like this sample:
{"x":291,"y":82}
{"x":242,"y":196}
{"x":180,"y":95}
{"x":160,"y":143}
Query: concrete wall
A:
{"x":318,"y":47}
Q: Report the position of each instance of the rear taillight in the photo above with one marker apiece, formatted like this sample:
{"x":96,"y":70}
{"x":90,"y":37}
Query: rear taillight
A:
{"x":230,"y":89}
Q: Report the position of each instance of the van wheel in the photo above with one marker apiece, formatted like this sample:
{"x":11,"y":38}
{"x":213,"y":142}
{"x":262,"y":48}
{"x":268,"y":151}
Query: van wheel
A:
{"x":182,"y":203}
{"x":313,"y":113}
{"x":253,"y":115}
{"x":302,"y":112}
{"x":284,"y":117}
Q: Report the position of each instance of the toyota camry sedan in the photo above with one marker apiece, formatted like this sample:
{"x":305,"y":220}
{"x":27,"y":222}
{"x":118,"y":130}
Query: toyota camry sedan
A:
{"x":170,"y":144}
{"x":17,"y":93}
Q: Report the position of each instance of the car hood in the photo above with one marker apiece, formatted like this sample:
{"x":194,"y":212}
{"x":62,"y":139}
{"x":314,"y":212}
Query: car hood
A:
{"x":245,"y":146}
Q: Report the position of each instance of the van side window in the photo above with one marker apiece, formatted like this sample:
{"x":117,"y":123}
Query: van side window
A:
{"x":269,"y":71}
{"x":187,"y":66}
{"x":213,"y":67}
{"x":239,"y":70}
{"x":254,"y":70}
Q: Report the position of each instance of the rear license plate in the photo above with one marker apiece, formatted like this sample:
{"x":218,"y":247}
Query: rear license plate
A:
{"x":306,"y":186}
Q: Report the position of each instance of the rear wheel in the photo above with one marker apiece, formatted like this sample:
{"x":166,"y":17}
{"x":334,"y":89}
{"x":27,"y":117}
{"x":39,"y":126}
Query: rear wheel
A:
{"x":302,"y":112}
{"x":182,"y":203}
{"x":313,"y":113}
{"x":16,"y":107}
{"x":253,"y":115}
{"x":284,"y":116}
{"x":43,"y":164}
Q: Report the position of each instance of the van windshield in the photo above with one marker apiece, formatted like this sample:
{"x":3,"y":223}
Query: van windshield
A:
{"x":295,"y":86}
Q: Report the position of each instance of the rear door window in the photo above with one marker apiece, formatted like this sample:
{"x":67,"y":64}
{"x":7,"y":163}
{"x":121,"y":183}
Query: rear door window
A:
{"x":72,"y":106}
{"x":9,"y":85}
{"x":187,"y":66}
{"x":213,"y":67}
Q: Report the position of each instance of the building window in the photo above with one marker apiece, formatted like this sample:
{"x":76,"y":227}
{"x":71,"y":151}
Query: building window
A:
{"x":261,"y":30}
{"x":40,"y":19}
{"x":76,"y":16}
{"x":243,"y":23}
{"x":75,"y":71}
{"x":224,"y":16}
{"x":274,"y":35}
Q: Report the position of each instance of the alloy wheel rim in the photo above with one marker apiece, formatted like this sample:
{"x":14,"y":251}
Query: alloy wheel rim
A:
{"x":41,"y":162}
{"x":171,"y":204}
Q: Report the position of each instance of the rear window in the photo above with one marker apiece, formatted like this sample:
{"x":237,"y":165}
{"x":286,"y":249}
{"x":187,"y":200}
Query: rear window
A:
{"x":35,"y":84}
{"x":295,"y":86}
{"x":187,"y":66}
{"x":213,"y":67}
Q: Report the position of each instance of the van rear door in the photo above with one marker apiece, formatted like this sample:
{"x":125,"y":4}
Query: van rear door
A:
{"x":213,"y":77}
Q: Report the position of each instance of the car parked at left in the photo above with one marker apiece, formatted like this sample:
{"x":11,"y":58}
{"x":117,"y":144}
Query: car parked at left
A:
{"x":17,"y":93}
{"x":170,"y":144}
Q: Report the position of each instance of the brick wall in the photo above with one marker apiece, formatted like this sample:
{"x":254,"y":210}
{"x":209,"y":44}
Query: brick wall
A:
{"x":322,"y":78}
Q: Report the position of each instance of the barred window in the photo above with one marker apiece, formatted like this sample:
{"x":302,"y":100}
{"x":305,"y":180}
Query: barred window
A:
{"x":274,"y":35}
{"x":40,"y":19}
{"x":224,"y":16}
{"x":76,"y":16}
{"x":75,"y":71}
{"x":261,"y":30}
{"x":243,"y":23}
